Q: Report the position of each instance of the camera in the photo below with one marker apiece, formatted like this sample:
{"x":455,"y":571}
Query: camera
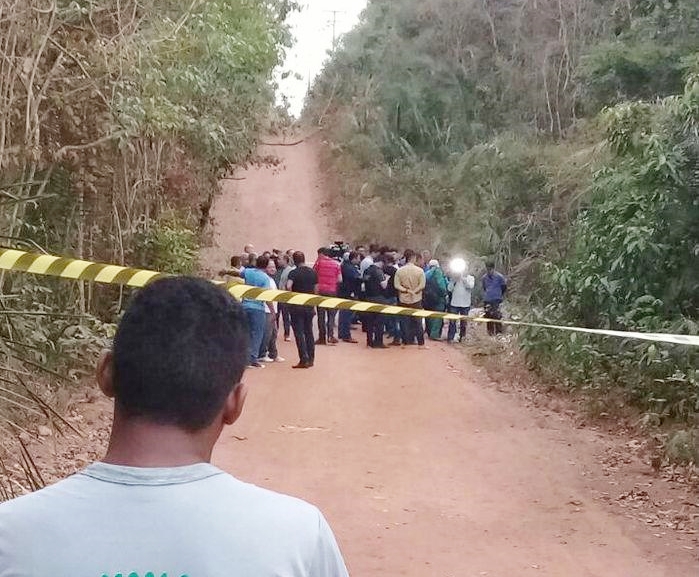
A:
{"x":338,"y":249}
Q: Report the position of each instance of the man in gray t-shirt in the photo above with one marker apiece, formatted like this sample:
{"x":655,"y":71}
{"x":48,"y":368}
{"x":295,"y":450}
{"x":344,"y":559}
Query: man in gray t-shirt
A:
{"x":155,"y":506}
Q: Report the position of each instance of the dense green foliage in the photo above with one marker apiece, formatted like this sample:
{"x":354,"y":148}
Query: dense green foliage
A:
{"x":633,"y":264}
{"x":117,"y":119}
{"x":559,"y":137}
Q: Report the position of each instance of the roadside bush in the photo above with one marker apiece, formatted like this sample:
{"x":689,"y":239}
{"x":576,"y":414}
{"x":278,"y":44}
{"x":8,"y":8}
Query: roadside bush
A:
{"x":633,"y":264}
{"x":169,"y":246}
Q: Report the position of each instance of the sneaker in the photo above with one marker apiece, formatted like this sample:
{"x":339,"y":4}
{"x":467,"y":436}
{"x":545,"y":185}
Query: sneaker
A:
{"x":265,"y":359}
{"x":256,"y":365}
{"x":279,"y":360}
{"x":455,"y":340}
{"x":423,"y":347}
{"x":287,"y":339}
{"x":396,"y":343}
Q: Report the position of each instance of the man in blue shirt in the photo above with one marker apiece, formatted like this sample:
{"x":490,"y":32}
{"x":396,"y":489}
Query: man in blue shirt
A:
{"x":255,"y":310}
{"x":494,"y":288}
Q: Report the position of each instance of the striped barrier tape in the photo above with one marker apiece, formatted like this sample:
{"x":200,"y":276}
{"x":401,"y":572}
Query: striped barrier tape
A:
{"x":75,"y":269}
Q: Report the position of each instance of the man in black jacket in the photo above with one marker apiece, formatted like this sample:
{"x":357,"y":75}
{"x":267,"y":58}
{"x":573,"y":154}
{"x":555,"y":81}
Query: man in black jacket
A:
{"x":350,"y":288}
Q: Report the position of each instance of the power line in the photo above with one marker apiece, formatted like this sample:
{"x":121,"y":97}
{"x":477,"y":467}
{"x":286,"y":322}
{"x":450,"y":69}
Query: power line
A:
{"x":334,"y":23}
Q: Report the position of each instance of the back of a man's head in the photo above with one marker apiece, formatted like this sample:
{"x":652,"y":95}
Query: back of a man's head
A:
{"x":299,"y":258}
{"x":179,"y":350}
{"x":262,"y":262}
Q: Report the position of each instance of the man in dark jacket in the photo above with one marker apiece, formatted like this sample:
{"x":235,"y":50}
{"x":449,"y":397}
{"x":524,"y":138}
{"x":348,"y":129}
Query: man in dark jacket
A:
{"x":350,"y":288}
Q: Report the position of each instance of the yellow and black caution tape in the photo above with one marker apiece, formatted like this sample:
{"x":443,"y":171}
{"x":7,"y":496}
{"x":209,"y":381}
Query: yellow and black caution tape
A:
{"x":74,"y":269}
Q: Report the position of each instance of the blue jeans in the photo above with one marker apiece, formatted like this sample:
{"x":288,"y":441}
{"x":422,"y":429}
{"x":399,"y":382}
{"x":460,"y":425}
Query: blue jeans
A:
{"x":257,"y":321}
{"x":326,"y":323}
{"x":393,"y":322}
{"x":345,"y":324}
{"x":462,"y":323}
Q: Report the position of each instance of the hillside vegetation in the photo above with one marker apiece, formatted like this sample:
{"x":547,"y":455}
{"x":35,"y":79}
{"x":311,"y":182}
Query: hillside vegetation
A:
{"x":117,"y":118}
{"x":559,"y":137}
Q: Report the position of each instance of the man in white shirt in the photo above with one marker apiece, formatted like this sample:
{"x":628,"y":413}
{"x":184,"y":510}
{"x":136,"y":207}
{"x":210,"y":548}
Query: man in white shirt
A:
{"x":460,"y":288}
{"x":369,"y":259}
{"x":156,"y":506}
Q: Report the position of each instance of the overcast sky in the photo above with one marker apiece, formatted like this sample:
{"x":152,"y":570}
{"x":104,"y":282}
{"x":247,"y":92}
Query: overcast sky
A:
{"x":313,"y":30}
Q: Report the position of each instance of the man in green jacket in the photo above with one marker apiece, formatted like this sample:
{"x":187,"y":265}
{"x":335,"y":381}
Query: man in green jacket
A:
{"x":435,"y":298}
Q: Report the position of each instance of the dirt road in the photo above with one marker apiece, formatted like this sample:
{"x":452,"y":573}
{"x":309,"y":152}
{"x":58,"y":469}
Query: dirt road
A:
{"x":420,"y":464}
{"x":271,"y":207}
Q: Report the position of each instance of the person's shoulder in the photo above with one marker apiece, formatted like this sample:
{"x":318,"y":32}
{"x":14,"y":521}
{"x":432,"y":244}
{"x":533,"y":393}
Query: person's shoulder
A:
{"x":238,"y":495}
{"x":39,"y":504}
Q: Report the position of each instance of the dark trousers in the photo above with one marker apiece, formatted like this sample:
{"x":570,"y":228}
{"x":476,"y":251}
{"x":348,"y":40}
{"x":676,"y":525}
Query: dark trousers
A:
{"x":326,"y":322}
{"x":345,"y":324}
{"x":286,"y":319}
{"x":462,"y":323}
{"x":256,"y":326}
{"x":302,"y":323}
{"x":375,"y":323}
{"x":374,"y":329}
{"x":492,"y":311}
{"x":411,"y":327}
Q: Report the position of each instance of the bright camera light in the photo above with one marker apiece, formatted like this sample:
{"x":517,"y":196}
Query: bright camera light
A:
{"x":457,"y":265}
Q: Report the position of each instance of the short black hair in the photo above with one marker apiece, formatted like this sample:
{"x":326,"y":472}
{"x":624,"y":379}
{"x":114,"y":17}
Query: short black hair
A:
{"x":489,"y":264}
{"x":373,"y":247}
{"x":409,"y":254}
{"x":262,"y":262}
{"x":299,"y":258}
{"x":179,"y":350}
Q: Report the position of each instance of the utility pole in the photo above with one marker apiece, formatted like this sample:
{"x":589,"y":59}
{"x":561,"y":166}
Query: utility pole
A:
{"x":334,"y":24}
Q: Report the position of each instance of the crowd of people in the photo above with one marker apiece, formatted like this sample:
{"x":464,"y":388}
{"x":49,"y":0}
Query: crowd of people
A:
{"x":373,"y":274}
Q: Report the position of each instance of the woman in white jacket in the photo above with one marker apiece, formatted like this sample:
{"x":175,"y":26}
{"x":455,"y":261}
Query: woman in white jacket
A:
{"x":460,"y":286}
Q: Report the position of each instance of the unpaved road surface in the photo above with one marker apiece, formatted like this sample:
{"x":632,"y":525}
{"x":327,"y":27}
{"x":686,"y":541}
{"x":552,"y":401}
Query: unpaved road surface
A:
{"x":271,"y":207}
{"x":420,"y":464}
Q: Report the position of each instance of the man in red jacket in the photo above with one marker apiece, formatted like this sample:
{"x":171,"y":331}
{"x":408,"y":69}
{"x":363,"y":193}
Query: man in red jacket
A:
{"x":329,"y":276}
